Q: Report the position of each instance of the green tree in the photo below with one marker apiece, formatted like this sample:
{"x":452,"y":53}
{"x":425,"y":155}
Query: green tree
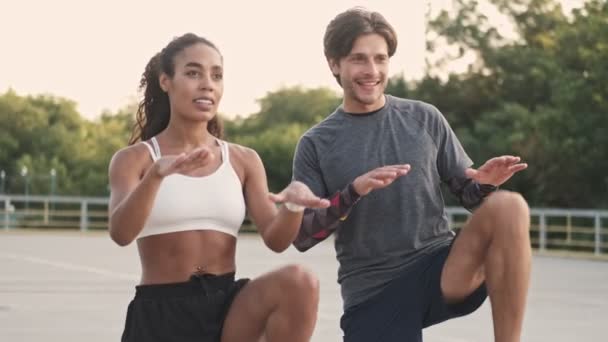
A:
{"x":44,"y":133}
{"x":541,"y":95}
{"x":274,"y":131}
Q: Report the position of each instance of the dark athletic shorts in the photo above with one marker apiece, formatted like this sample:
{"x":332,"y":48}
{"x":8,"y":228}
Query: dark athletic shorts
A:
{"x":181,"y":312}
{"x":407,"y":305}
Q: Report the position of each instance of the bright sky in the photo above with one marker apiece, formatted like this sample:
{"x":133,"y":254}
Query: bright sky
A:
{"x":94,"y":52}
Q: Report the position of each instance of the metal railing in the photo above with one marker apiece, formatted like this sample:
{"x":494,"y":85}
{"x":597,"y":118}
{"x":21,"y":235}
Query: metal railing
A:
{"x":578,"y":230}
{"x":551,"y":229}
{"x":61,"y":212}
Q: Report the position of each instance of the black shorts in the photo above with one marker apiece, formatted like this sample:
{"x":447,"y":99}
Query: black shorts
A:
{"x":182,"y":312}
{"x":408,"y":304}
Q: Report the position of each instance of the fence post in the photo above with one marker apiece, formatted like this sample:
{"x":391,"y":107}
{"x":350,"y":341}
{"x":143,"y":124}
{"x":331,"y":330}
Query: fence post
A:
{"x":46,"y":212}
{"x":83,"y":216}
{"x":542,"y":238}
{"x":598,"y":235}
{"x":569,"y":228}
{"x":7,"y":203}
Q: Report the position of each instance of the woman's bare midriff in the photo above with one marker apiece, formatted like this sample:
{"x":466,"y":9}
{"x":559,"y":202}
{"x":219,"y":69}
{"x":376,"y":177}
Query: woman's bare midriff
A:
{"x":174,"y":257}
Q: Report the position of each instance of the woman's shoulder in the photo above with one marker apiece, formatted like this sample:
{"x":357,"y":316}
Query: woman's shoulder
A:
{"x":132,"y":156}
{"x":242,"y":152}
{"x":244,"y":158}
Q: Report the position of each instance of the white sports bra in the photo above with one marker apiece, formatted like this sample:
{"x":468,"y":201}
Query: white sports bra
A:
{"x":213,"y":202}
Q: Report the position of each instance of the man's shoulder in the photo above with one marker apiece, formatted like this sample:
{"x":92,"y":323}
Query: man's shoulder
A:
{"x":328,"y":127}
{"x":320,"y":138}
{"x":419,"y":113}
{"x":415,"y":108}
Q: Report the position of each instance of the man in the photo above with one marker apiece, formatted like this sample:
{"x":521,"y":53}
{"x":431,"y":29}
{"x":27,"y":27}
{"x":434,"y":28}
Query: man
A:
{"x":401,"y":268}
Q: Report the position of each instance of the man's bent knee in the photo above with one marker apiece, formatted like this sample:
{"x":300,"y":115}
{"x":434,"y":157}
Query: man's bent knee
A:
{"x":507,"y":213}
{"x":507,"y":201}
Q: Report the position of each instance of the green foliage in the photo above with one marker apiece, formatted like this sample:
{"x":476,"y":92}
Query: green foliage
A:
{"x":275,"y":130}
{"x":275,"y":146}
{"x":42,"y":133}
{"x":541,"y":95}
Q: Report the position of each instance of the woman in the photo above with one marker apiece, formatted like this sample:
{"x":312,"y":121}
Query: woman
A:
{"x":182,"y":193}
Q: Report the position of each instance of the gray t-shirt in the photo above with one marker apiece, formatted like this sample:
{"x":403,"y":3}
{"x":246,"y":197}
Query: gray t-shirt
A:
{"x":389,"y":228}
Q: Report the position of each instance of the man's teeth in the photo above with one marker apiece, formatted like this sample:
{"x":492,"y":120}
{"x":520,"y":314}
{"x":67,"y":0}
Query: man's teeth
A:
{"x":204,"y":101}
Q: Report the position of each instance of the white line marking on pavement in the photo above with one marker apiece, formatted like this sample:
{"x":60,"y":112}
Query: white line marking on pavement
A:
{"x":69,"y":266}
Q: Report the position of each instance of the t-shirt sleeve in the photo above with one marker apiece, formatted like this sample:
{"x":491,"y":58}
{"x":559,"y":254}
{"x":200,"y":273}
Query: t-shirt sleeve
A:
{"x":307,"y":169}
{"x":452,"y":160}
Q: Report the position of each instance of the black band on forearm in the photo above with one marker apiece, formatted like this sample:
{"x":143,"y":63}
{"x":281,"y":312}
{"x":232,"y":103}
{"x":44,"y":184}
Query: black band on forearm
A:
{"x":318,"y":224}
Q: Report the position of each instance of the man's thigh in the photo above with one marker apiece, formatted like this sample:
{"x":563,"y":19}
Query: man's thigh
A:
{"x":438,"y":307}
